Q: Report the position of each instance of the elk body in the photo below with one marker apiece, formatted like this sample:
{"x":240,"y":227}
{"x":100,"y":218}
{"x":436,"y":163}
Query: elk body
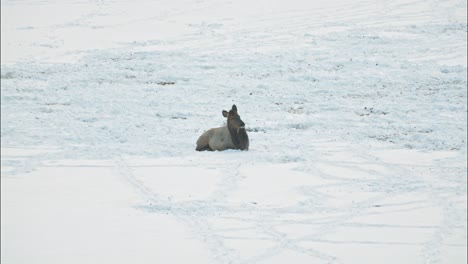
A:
{"x":231,"y":136}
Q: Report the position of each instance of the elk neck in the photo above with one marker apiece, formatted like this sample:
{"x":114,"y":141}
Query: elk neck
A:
{"x":239,"y":137}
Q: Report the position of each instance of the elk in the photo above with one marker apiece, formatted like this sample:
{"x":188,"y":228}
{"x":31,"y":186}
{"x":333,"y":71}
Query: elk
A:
{"x":231,"y":136}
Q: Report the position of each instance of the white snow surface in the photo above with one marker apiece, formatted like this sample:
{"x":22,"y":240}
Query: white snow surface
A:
{"x":356,"y":113}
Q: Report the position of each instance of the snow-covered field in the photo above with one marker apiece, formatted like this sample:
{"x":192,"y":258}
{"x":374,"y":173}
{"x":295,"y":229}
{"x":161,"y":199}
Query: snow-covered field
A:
{"x":356,"y":112}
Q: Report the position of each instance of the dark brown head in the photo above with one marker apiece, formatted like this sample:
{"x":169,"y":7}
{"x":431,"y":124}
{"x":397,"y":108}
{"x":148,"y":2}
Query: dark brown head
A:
{"x":233,"y":119}
{"x":236,"y":128}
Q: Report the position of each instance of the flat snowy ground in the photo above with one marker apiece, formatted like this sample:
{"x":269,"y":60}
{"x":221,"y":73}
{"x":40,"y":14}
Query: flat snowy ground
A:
{"x":356,"y":112}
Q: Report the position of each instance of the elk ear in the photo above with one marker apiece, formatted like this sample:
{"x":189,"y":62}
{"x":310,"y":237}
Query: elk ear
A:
{"x":225,"y":113}
{"x":234,"y":108}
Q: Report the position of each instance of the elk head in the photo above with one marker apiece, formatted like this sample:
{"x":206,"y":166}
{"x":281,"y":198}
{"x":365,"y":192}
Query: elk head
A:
{"x":233,"y":119}
{"x":236,"y":128}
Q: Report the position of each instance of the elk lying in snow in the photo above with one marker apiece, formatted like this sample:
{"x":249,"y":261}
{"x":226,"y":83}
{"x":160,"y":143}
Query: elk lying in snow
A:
{"x":232,"y":136}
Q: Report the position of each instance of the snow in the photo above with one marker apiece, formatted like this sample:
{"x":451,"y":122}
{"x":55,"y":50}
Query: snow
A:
{"x":356,"y":113}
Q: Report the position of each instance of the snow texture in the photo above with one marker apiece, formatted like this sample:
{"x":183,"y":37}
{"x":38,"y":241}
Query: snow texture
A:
{"x":356,"y":113}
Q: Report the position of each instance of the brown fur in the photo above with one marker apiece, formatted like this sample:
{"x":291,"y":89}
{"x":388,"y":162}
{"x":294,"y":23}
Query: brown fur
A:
{"x":231,"y":136}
